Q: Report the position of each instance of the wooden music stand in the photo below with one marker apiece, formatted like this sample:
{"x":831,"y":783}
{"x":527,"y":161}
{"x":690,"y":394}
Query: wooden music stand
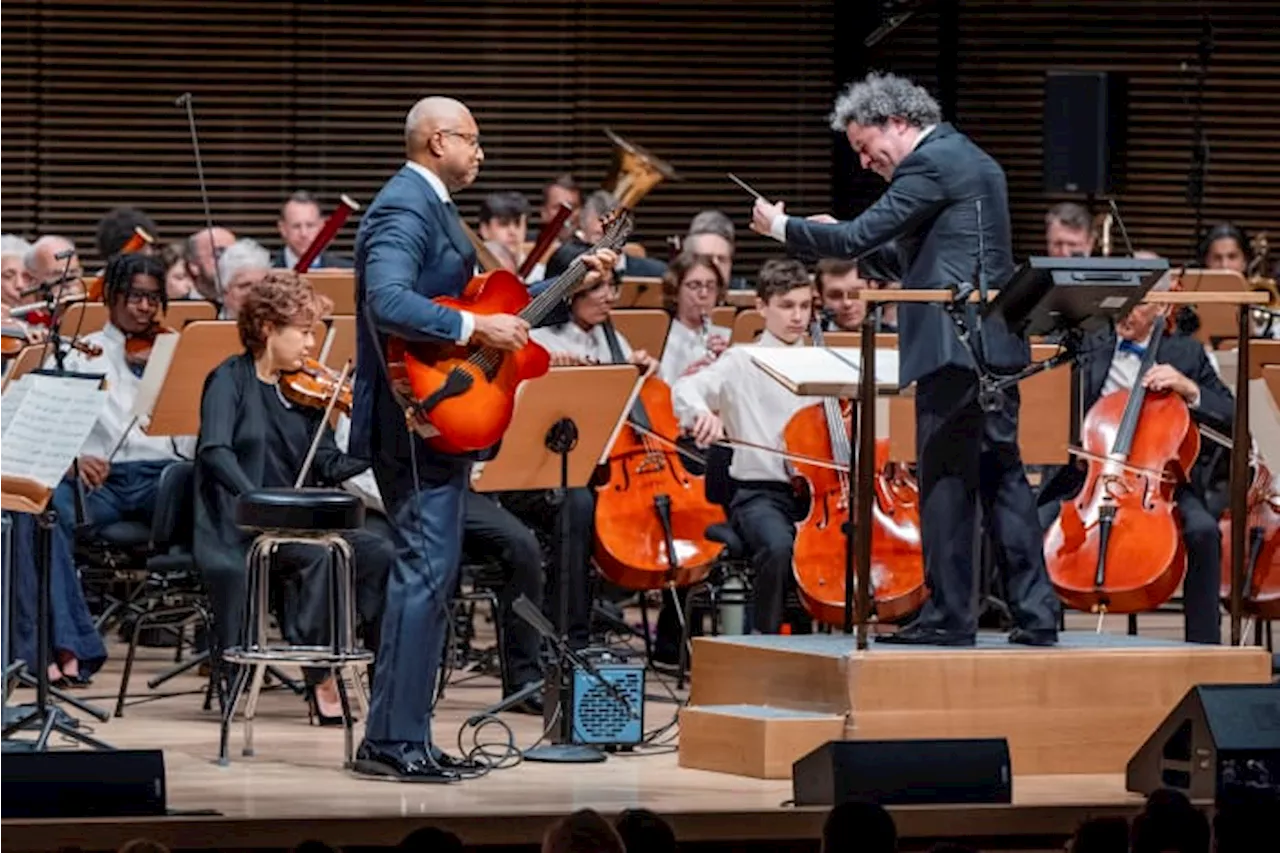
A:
{"x":1217,"y":320}
{"x":337,"y":284}
{"x":722,"y":315}
{"x":562,"y":429}
{"x":640,"y":291}
{"x":83,"y":318}
{"x":202,"y":346}
{"x":644,"y":328}
{"x":28,"y":359}
{"x":747,"y":326}
{"x":1240,"y":477}
{"x":184,"y":311}
{"x":741,"y":298}
{"x":595,"y":399}
{"x":67,"y":418}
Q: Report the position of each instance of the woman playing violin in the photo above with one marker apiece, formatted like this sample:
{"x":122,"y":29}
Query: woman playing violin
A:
{"x":252,"y":437}
{"x":691,"y":287}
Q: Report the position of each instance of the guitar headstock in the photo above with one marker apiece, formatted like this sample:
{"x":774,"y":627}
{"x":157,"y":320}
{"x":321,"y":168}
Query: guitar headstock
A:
{"x":617,"y":227}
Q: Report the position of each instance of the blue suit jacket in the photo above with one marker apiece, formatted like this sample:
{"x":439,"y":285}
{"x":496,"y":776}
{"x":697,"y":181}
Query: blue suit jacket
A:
{"x":928,"y":212}
{"x":409,"y":249}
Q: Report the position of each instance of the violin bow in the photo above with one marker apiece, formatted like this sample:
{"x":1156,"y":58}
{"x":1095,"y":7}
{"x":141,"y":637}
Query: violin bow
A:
{"x":736,"y":442}
{"x":324,"y":421}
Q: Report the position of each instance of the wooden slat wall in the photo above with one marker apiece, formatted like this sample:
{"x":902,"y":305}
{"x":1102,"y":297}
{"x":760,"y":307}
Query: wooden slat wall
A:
{"x":1005,"y":48}
{"x":312,"y":95}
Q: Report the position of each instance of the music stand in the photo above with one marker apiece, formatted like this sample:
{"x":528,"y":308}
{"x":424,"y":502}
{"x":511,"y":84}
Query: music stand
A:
{"x":562,"y":428}
{"x":1055,"y":296}
{"x":44,"y":452}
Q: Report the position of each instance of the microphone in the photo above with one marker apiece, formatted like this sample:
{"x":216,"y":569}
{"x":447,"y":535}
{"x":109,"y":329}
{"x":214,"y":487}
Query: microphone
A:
{"x":46,"y":285}
{"x":182,"y":100}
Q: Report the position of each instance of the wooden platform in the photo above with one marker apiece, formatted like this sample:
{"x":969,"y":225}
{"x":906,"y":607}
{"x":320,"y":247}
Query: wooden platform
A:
{"x":1082,"y":706}
{"x":294,"y":789}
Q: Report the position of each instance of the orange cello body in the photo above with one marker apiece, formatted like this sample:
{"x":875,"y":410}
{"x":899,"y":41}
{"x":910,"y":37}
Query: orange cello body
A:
{"x":1135,"y":561}
{"x":647,"y":484}
{"x":476,"y":417}
{"x":897,"y":561}
{"x":1261,"y":591}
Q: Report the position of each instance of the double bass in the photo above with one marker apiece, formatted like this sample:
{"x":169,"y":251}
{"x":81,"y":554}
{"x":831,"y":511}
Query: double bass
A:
{"x":651,"y":513}
{"x":1117,"y":546}
{"x":897,"y":560}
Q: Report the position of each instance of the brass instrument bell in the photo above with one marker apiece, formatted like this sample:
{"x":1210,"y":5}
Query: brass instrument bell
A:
{"x":1264,"y":317}
{"x":635,"y":172}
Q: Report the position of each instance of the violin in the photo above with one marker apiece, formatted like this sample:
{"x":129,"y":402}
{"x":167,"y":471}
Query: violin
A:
{"x":12,"y":340}
{"x":1261,"y":586}
{"x":315,"y":385}
{"x":137,"y":346}
{"x":651,"y":514}
{"x":897,"y":559}
{"x":1116,"y":547}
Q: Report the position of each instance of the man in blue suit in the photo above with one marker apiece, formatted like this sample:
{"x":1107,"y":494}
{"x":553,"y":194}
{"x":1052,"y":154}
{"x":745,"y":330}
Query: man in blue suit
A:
{"x":926,"y":227}
{"x":411,"y":247}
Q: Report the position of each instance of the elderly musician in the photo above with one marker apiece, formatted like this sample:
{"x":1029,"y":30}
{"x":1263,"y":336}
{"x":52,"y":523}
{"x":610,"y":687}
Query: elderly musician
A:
{"x":411,"y":247}
{"x":937,"y":177}
{"x":253,"y":437}
{"x":1110,"y":360}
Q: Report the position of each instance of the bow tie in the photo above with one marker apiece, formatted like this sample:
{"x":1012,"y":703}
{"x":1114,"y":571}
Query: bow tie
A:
{"x":1129,"y":346}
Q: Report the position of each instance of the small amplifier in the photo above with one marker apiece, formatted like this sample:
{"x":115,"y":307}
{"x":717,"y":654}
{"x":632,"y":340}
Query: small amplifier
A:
{"x":84,"y":783}
{"x":609,"y":716}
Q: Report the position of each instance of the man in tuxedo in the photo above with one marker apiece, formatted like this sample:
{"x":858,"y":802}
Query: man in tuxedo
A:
{"x":410,"y":248}
{"x":299,"y":223}
{"x":1109,"y":361}
{"x":936,"y":177}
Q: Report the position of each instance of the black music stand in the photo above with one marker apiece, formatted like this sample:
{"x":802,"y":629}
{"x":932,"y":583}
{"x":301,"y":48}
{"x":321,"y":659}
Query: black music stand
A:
{"x":562,"y":428}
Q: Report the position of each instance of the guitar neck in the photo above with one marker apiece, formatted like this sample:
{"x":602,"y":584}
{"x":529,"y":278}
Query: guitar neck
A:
{"x":566,"y":284}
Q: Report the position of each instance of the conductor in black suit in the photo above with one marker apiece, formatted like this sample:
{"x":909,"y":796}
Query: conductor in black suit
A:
{"x":930,"y":211}
{"x":1110,"y":360}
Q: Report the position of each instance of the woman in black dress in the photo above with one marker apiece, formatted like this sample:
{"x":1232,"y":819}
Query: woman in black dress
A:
{"x":251,"y":437}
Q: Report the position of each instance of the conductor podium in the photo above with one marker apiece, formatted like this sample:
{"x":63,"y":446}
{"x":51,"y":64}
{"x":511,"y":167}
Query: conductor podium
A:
{"x":759,"y":703}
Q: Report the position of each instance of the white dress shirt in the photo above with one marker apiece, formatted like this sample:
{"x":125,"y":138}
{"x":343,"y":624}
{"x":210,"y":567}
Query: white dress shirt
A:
{"x":290,"y":259}
{"x":468,"y":319}
{"x":685,"y":346}
{"x":571,"y":338}
{"x":753,"y":406}
{"x":362,"y":485}
{"x":1123,"y":372}
{"x":122,"y":389}
{"x":778,"y":227}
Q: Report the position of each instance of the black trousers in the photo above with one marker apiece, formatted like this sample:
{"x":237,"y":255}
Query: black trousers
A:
{"x":965,"y":455}
{"x":491,"y":532}
{"x":1200,"y":587}
{"x":542,"y":510}
{"x":765,"y":518}
{"x":300,"y":591}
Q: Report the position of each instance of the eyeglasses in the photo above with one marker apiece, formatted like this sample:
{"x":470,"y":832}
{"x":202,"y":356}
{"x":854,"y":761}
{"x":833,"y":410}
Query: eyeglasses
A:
{"x":700,"y":286}
{"x":472,"y":139}
{"x":137,"y":297}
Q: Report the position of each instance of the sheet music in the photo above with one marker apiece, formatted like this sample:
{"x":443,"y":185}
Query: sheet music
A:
{"x":162,"y":350}
{"x":12,"y":399}
{"x":823,"y":371}
{"x":48,"y":427}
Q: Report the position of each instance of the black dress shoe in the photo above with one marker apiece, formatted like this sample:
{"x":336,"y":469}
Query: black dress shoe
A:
{"x":400,"y":763}
{"x":1034,"y":636}
{"x":915,"y":636}
{"x":461,"y":766}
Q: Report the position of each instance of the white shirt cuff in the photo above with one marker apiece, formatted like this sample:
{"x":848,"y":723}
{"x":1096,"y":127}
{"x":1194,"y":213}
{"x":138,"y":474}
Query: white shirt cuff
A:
{"x":778,"y":228}
{"x":468,"y":326}
{"x":1194,"y":403}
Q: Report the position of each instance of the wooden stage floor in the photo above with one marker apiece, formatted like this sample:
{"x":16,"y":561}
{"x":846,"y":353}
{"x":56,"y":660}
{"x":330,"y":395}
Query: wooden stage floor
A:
{"x":294,"y":788}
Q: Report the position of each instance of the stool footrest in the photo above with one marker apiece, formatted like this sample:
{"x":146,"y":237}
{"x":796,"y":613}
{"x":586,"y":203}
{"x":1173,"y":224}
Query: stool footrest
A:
{"x":305,"y":655}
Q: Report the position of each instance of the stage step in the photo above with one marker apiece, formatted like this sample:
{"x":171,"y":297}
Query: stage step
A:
{"x":752,"y":740}
{"x":1083,"y":706}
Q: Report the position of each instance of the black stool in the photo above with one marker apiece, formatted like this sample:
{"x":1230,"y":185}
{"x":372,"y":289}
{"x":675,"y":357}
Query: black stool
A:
{"x":312,"y":517}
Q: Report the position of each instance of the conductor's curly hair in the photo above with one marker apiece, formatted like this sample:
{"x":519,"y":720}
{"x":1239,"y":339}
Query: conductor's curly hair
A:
{"x":280,"y":298}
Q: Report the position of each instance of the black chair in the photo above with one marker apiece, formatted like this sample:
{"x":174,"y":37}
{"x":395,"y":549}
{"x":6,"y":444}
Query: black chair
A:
{"x":173,"y":595}
{"x":478,"y":583}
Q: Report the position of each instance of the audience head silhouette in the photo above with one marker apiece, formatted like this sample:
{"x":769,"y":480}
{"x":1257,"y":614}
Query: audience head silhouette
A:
{"x":431,"y":839}
{"x":1102,"y":835}
{"x":642,"y":831}
{"x":859,"y":825}
{"x":584,"y":831}
{"x":1169,"y":824}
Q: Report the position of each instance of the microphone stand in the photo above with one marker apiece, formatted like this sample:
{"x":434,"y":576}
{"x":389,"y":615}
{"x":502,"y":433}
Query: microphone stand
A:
{"x":1200,"y":143}
{"x":184,"y":100}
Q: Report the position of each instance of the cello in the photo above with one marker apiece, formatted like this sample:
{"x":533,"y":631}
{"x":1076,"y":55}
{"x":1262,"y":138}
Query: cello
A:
{"x":1116,"y":546}
{"x":651,"y":513}
{"x":1261,"y":585}
{"x":897,"y":560}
